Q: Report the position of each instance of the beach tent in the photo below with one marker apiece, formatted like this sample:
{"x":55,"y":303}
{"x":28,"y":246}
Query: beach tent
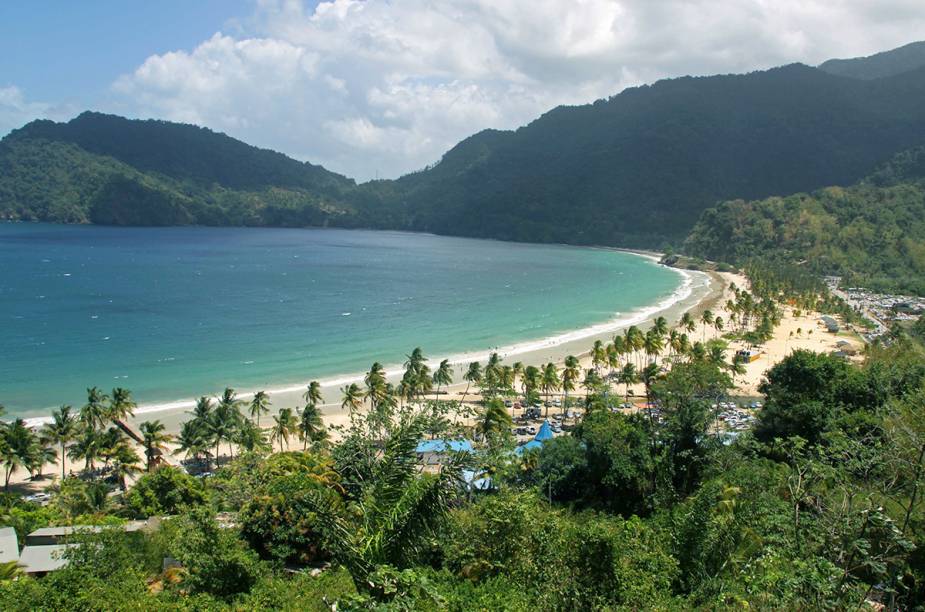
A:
{"x":531,"y":445}
{"x":545,"y":432}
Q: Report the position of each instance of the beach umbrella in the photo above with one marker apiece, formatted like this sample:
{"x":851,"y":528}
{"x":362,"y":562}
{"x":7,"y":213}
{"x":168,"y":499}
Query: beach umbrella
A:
{"x":545,"y":432}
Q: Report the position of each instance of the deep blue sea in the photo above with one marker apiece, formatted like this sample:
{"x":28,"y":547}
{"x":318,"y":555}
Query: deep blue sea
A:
{"x":173,"y":313}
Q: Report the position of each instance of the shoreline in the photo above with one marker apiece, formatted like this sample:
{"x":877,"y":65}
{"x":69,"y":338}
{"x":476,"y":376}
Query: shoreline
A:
{"x":694,"y":288}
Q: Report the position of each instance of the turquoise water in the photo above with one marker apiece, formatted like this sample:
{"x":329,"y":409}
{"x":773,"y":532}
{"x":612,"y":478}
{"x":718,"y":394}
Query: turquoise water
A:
{"x":173,"y":313}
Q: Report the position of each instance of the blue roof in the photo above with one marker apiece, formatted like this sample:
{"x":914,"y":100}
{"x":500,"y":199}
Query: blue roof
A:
{"x":443,"y":446}
{"x":545,"y":432}
{"x":531,"y":445}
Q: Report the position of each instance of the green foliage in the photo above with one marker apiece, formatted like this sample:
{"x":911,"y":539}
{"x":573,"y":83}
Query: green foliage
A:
{"x":870,"y":233}
{"x":166,"y":490}
{"x":808,"y":392}
{"x":282,"y":524}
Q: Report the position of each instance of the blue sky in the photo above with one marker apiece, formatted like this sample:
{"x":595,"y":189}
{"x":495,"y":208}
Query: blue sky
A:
{"x":383,"y":87}
{"x":75,"y":49}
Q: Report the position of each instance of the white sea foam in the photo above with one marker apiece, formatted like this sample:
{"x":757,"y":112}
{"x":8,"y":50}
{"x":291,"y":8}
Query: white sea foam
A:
{"x":393,"y":371}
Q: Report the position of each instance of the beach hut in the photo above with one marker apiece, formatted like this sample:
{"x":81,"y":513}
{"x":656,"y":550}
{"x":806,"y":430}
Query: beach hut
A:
{"x":9,"y":546}
{"x":545,"y":432}
{"x":830,"y":324}
{"x":431,"y":452}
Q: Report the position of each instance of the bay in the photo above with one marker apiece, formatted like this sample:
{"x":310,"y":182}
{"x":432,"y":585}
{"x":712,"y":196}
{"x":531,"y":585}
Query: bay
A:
{"x":177,"y":312}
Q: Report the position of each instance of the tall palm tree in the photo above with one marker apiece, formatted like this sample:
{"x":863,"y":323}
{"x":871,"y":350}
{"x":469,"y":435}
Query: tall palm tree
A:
{"x":260,"y":404}
{"x":532,"y":380}
{"x":251,"y":438}
{"x":203,"y":410}
{"x":660,"y":325}
{"x":550,"y":382}
{"x":653,"y":345}
{"x":155,"y":440}
{"x":591,"y":382}
{"x":40,"y":453}
{"x":570,"y":376}
{"x":598,"y":355}
{"x":376,"y":385}
{"x":125,"y":465}
{"x":223,"y":423}
{"x":311,"y":427}
{"x":283,"y":425}
{"x":312,"y":395}
{"x":718,"y":325}
{"x":687,"y":322}
{"x":628,"y":376}
{"x":352,"y":397}
{"x":492,"y":373}
{"x":16,"y":443}
{"x":121,"y":405}
{"x":443,"y":376}
{"x":472,"y":375}
{"x":518,"y":370}
{"x":61,"y":431}
{"x":86,"y":446}
{"x":94,"y":413}
{"x":707,"y":319}
{"x":493,"y":419}
{"x":230,"y":402}
{"x":193,"y":439}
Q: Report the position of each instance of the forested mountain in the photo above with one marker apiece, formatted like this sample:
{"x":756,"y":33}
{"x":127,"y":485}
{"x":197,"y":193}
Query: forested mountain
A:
{"x":872,"y":232}
{"x":637,"y":169}
{"x":107,"y":169}
{"x":884,"y":64}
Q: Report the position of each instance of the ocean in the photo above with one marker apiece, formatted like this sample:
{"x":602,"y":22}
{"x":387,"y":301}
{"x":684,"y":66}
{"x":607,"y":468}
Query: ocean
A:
{"x":173,"y":313}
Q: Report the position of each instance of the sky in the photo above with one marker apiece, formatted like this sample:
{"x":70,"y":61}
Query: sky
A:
{"x":379,"y":88}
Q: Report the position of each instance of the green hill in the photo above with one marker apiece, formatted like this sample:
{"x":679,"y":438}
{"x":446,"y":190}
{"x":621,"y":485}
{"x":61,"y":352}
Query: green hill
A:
{"x":637,"y":169}
{"x":885,"y":64}
{"x":872,"y":232}
{"x":107,"y":169}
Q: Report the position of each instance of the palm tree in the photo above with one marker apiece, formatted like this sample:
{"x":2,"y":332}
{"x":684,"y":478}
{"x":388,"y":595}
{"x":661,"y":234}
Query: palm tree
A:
{"x":86,"y":446}
{"x":16,"y":442}
{"x":94,"y":413}
{"x":518,"y":370}
{"x":251,"y":438}
{"x":707,"y":319}
{"x":718,"y":325}
{"x":492,"y":373}
{"x":591,"y":382}
{"x":283,"y":425}
{"x":260,"y":404}
{"x":569,"y":377}
{"x":126,"y":464}
{"x":312,"y":395}
{"x":652,"y":345}
{"x":311,"y":427}
{"x":628,"y":376}
{"x":401,"y":511}
{"x":660,"y":325}
{"x":155,"y":440}
{"x":531,"y":381}
{"x":493,"y":419}
{"x":229,"y":401}
{"x":223,"y":423}
{"x":472,"y":375}
{"x":203,"y":410}
{"x":687,"y":322}
{"x":550,"y":382}
{"x":375,"y":384}
{"x":40,"y":452}
{"x":61,"y":431}
{"x":352,"y":397}
{"x":443,"y":376}
{"x":121,"y":405}
{"x":193,"y":439}
{"x":598,"y":355}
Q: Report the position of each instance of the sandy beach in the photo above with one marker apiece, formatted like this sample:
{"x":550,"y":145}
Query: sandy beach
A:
{"x":702,"y":291}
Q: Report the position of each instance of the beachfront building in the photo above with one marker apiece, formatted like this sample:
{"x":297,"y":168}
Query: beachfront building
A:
{"x":545,"y":433}
{"x":9,"y":546}
{"x":830,"y":324}
{"x":433,"y":452}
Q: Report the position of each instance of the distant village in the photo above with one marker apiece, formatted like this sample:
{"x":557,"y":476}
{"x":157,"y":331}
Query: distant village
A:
{"x":881,"y":308}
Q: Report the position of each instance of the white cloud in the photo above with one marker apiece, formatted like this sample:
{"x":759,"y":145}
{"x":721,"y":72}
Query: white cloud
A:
{"x":16,"y":110}
{"x":387,"y":86}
